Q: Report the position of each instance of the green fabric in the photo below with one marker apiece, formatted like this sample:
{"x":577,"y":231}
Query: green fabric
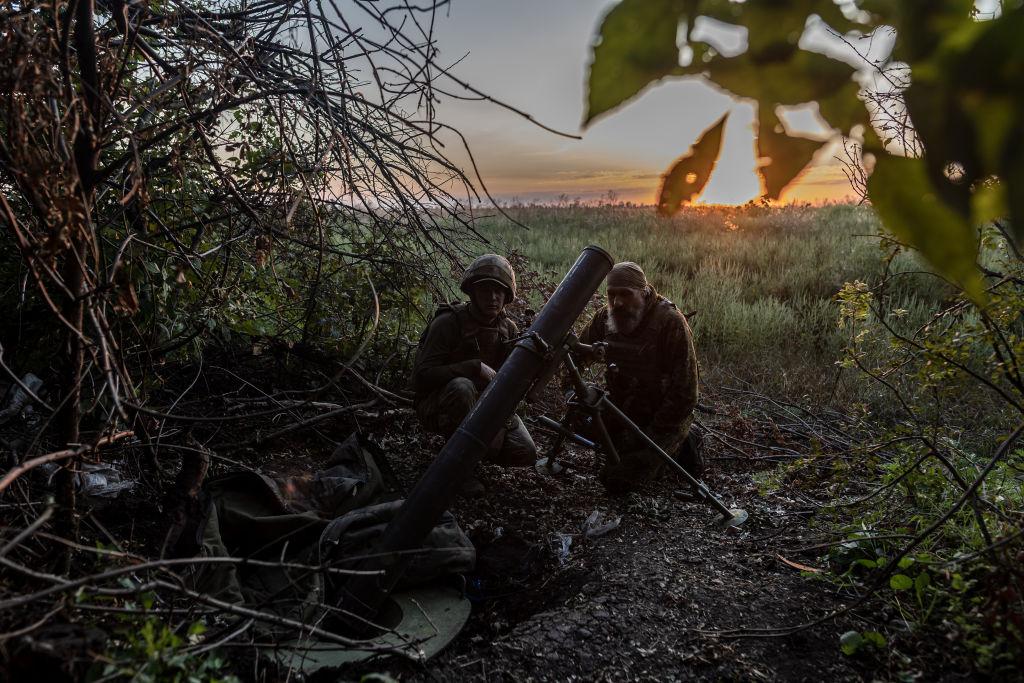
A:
{"x":332,"y":518}
{"x":656,"y":382}
{"x":442,"y":412}
{"x":454,"y":344}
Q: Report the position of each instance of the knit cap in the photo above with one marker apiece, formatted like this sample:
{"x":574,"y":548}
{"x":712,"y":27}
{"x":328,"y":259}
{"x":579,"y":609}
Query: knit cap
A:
{"x":627,"y":274}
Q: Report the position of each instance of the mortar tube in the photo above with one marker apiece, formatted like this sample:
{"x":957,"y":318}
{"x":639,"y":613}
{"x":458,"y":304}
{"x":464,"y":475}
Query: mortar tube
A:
{"x":363,"y":594}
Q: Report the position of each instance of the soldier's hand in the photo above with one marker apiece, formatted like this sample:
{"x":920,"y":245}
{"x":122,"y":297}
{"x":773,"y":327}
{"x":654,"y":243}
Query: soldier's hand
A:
{"x":487,"y":373}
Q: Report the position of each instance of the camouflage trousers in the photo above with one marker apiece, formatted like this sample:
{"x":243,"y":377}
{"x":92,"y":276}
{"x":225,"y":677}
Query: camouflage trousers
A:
{"x":443,"y":410}
{"x":639,"y":464}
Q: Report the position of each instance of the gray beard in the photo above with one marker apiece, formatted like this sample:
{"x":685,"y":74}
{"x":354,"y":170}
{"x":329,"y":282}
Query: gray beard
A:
{"x":623,"y":325}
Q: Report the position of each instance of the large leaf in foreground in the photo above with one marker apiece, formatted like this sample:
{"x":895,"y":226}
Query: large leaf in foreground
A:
{"x":844,"y":109}
{"x":804,"y":77}
{"x":635,"y":46}
{"x":774,"y":26}
{"x":911,"y":209}
{"x":785,"y":157}
{"x":993,"y":99}
{"x":690,"y":173}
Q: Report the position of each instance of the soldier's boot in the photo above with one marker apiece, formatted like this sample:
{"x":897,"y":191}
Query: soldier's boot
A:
{"x":691,"y":453}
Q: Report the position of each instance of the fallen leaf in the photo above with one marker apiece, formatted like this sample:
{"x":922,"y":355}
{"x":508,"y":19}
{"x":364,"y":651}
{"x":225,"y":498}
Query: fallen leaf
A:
{"x":797,"y":565}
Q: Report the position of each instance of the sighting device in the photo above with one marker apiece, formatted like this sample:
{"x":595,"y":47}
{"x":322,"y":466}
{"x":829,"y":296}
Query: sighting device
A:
{"x":592,"y":401}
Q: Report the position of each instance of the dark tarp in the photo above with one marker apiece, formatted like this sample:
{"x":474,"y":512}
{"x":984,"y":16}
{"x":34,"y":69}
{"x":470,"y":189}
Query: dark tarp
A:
{"x":330,"y":519}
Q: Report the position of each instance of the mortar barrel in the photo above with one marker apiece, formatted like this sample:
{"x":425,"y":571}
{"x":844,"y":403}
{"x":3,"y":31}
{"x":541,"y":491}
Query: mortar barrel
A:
{"x":436,"y":489}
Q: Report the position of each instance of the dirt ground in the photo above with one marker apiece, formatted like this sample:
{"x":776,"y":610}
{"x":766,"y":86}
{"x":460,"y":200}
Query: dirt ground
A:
{"x":652,"y":599}
{"x":641,"y":602}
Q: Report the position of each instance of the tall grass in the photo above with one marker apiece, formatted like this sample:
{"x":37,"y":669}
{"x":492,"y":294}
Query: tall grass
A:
{"x":757,"y":282}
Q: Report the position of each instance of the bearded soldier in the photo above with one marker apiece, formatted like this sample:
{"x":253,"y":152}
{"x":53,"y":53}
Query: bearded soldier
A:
{"x":458,"y":356}
{"x":652,"y":377}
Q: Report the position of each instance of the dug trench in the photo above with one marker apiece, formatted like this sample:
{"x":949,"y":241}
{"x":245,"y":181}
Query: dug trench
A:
{"x":653,"y":598}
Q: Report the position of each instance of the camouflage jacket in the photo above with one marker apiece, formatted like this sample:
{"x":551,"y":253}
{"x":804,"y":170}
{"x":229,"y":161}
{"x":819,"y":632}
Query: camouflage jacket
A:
{"x":655,"y":380}
{"x":455,"y":343}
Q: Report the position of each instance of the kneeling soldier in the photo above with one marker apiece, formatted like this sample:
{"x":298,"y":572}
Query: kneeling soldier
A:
{"x":460,"y":352}
{"x":653,"y":381}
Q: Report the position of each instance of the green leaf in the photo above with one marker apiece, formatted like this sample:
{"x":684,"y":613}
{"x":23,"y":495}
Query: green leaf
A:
{"x":870,"y":564}
{"x":636,"y":45}
{"x":805,"y":77}
{"x":774,"y":26}
{"x":922,"y":582}
{"x":882,"y":11}
{"x":990,"y":98}
{"x":920,"y":25}
{"x":904,"y":198}
{"x":784,"y":157}
{"x":875,"y":638}
{"x":850,"y":642}
{"x":995,"y":120}
{"x":935,"y":110}
{"x":1015,"y":189}
{"x":900,"y":582}
{"x":690,"y":173}
{"x":989,"y":202}
{"x":844,"y":109}
{"x":905,"y":562}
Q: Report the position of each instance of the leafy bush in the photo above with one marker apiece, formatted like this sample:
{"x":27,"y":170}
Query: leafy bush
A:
{"x":151,"y":652}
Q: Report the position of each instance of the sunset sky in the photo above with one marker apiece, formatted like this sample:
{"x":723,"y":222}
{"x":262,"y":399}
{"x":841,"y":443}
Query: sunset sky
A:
{"x":533,"y":54}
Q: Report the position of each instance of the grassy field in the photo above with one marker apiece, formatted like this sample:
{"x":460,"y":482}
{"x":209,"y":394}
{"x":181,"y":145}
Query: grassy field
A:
{"x":760,"y":282}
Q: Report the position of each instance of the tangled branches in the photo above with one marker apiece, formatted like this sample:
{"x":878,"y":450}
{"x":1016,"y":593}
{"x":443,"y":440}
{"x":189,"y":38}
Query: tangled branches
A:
{"x":175,"y":173}
{"x":179,"y":174}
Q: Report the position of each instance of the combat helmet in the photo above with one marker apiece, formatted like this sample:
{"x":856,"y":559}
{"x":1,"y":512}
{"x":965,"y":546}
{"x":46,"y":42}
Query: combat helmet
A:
{"x":490,"y":267}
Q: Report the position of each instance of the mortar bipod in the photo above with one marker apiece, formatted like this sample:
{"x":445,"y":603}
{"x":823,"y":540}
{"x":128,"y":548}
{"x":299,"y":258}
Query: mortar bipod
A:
{"x":593,"y":401}
{"x":585,"y":400}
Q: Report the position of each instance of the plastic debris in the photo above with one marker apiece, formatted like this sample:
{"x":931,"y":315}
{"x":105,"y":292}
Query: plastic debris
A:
{"x":561,"y":543}
{"x":597,"y":524}
{"x":102,"y":481}
{"x":96,"y":481}
{"x":19,"y":398}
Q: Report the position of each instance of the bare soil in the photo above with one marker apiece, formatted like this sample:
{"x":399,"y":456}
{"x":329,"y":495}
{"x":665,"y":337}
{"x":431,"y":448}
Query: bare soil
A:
{"x":652,"y":599}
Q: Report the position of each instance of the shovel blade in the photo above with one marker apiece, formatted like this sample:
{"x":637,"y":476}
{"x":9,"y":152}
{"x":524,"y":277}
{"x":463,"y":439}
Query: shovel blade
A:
{"x":736,"y":517}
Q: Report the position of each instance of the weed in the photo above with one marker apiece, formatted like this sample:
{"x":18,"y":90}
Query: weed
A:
{"x":151,"y":651}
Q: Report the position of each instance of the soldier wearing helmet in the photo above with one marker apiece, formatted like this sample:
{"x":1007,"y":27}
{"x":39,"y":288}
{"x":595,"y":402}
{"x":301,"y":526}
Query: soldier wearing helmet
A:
{"x":652,"y":377}
{"x":460,"y":352}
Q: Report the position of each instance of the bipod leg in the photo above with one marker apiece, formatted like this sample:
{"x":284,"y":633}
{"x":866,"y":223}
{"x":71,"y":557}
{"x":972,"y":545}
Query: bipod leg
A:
{"x":729,"y":517}
{"x":605,"y":438}
{"x":549,"y":464}
{"x":590,"y":399}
